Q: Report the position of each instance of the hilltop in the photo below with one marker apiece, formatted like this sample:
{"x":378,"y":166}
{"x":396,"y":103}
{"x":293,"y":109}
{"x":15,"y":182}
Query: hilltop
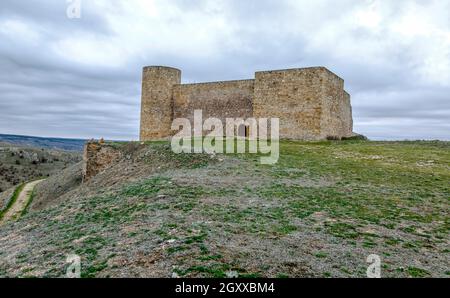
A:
{"x":319,"y":212}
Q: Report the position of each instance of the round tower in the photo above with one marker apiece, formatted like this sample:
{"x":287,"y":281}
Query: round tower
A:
{"x":156,"y":103}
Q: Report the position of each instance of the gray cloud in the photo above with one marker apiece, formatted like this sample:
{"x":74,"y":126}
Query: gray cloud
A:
{"x":81,"y":77}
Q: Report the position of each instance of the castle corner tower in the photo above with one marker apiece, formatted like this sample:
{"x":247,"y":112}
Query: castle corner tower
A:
{"x":156,"y":102}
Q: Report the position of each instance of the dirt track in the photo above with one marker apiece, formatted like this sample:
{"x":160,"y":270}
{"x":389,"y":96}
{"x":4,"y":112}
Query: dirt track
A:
{"x":18,"y":206}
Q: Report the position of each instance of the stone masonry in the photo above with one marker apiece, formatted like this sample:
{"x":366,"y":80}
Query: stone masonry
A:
{"x":310,"y":102}
{"x":98,"y":156}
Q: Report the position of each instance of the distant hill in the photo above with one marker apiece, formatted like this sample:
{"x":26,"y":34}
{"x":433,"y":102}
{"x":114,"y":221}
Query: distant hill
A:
{"x":22,"y":163}
{"x":42,"y":142}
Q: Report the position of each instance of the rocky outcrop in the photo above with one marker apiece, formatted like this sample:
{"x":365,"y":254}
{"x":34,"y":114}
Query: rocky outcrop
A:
{"x":98,"y":156}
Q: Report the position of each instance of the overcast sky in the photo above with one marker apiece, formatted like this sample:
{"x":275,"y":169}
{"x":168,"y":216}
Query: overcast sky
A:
{"x":66,"y":77}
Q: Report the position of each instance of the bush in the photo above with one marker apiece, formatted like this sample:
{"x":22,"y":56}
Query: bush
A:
{"x":356,"y":137}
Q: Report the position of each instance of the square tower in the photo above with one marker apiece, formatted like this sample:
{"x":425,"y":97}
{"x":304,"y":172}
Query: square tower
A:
{"x":310,"y":102}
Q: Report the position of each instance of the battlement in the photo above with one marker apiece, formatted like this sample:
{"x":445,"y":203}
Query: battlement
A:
{"x":310,"y":102}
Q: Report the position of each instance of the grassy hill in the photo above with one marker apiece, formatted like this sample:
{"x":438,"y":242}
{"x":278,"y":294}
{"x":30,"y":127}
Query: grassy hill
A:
{"x":319,"y":212}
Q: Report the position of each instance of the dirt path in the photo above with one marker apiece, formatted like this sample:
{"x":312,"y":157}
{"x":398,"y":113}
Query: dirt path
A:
{"x":21,"y":202}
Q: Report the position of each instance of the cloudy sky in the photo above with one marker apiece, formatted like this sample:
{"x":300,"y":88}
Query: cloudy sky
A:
{"x":69,"y":77}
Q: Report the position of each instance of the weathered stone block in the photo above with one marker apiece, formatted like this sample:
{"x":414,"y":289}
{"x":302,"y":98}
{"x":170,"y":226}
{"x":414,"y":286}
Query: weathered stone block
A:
{"x":97,"y":157}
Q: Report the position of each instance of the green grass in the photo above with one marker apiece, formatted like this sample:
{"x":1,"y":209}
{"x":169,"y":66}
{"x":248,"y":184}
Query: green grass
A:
{"x":321,"y":255}
{"x":28,"y":203}
{"x":12,"y":200}
{"x":92,"y":270}
{"x":417,"y":272}
{"x":382,"y":183}
{"x":342,"y":230}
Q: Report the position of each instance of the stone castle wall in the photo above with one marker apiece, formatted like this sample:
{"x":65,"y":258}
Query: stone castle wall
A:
{"x":334,"y":122}
{"x":310,"y":102}
{"x":232,"y":99}
{"x":347,"y":115}
{"x":294,"y":96}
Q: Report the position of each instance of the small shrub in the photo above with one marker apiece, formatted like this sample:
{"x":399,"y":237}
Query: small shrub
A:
{"x":355,"y":137}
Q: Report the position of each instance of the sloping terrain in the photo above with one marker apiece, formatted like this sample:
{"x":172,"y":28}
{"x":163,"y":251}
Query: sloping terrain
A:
{"x":320,"y":211}
{"x":5,"y":198}
{"x":19,"y":164}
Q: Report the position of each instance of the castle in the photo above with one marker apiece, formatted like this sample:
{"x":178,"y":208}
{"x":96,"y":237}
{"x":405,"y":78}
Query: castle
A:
{"x":311,"y":103}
